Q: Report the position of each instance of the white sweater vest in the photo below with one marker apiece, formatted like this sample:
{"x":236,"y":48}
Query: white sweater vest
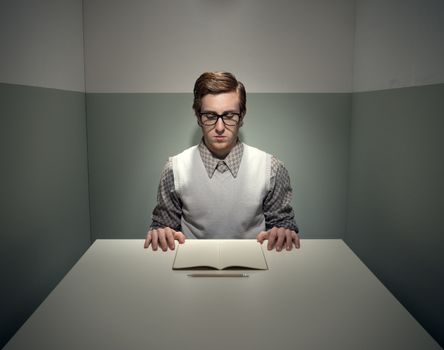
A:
{"x":222,"y":207}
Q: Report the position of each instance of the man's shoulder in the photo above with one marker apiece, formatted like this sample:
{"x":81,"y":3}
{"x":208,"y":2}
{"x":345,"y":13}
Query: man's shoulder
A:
{"x":256,"y":149}
{"x":168,"y":167}
{"x":184,"y":161}
{"x":277,"y":166}
{"x":250,"y":148}
{"x":187,"y":150}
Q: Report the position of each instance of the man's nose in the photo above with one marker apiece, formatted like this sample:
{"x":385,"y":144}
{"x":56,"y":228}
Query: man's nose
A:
{"x":220,"y":126}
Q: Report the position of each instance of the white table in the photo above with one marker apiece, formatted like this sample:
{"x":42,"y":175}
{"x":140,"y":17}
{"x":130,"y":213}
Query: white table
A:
{"x":120,"y":296}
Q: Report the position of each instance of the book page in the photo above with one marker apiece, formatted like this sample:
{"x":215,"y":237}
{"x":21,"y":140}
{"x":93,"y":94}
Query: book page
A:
{"x":245,"y":253}
{"x":197,"y":253}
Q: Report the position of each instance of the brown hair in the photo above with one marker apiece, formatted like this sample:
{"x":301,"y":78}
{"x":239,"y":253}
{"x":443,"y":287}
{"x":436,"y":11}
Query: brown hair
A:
{"x":217,"y":83}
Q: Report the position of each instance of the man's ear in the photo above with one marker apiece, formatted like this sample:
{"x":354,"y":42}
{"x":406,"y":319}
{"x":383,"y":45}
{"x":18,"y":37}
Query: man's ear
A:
{"x":198,"y":122}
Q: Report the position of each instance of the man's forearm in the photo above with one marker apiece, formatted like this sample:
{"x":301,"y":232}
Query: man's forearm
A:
{"x":168,"y":210}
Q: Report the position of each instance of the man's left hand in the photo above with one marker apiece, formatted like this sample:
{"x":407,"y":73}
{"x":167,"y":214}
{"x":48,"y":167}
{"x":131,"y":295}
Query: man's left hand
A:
{"x":279,"y":237}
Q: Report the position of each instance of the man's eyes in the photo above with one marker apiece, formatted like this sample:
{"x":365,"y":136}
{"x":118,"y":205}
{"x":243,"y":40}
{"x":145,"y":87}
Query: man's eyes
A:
{"x":214,"y":116}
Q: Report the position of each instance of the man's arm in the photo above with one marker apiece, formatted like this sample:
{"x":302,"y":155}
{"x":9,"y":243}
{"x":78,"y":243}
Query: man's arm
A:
{"x":166,"y":219}
{"x":279,"y":216}
{"x":168,"y":210}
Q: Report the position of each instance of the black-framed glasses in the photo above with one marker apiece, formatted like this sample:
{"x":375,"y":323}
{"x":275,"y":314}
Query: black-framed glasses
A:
{"x":228,"y":118}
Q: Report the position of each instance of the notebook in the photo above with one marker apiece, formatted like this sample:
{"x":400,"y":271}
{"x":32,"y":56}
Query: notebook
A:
{"x":220,"y":254}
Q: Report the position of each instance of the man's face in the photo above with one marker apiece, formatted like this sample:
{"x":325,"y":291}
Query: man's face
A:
{"x":220,"y":138}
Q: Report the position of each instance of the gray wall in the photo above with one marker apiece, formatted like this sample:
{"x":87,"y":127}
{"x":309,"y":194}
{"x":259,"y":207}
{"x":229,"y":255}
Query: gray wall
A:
{"x":272,"y":46}
{"x":44,"y":207}
{"x":396,"y":203}
{"x":42,"y":43}
{"x":398,"y":43}
{"x":396,"y":190}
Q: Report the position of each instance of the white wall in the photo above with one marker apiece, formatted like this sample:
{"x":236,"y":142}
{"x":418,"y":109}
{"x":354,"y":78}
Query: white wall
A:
{"x":398,"y":43}
{"x":41,"y":43}
{"x":272,"y":46}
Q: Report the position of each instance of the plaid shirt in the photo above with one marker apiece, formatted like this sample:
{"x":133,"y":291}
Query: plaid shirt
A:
{"x":276,"y":206}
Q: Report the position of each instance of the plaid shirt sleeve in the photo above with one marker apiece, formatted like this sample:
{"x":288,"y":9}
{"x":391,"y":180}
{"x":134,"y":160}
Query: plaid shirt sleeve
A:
{"x":168,"y":211}
{"x":277,"y":204}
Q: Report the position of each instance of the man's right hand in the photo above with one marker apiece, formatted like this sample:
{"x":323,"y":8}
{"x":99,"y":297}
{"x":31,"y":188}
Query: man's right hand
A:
{"x":163,"y":237}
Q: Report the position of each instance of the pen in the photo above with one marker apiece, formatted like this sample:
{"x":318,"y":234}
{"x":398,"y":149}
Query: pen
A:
{"x":218,"y":275}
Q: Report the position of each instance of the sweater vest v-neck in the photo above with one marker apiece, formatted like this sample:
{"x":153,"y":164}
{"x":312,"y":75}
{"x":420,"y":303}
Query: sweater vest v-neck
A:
{"x":222,"y":206}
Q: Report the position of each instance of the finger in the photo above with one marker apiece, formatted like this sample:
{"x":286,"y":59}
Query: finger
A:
{"x":154,"y":239}
{"x":169,"y":233}
{"x":280,"y":238}
{"x":179,"y":236}
{"x":262,"y":236}
{"x":162,"y":239}
{"x":296,"y":240}
{"x":272,"y":238}
{"x":147,"y":240}
{"x":288,"y":239}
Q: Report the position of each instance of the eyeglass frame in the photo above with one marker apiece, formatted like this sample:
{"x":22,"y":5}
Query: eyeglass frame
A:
{"x":221,"y":116}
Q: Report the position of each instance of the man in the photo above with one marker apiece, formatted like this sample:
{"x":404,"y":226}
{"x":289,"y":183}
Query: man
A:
{"x":223,"y":188}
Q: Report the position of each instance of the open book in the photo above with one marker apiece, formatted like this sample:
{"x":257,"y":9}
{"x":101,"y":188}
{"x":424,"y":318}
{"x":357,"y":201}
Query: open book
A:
{"x":220,"y":254}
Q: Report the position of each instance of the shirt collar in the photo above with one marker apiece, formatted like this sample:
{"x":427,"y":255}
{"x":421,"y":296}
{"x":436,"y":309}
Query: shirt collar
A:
{"x":232,"y":160}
